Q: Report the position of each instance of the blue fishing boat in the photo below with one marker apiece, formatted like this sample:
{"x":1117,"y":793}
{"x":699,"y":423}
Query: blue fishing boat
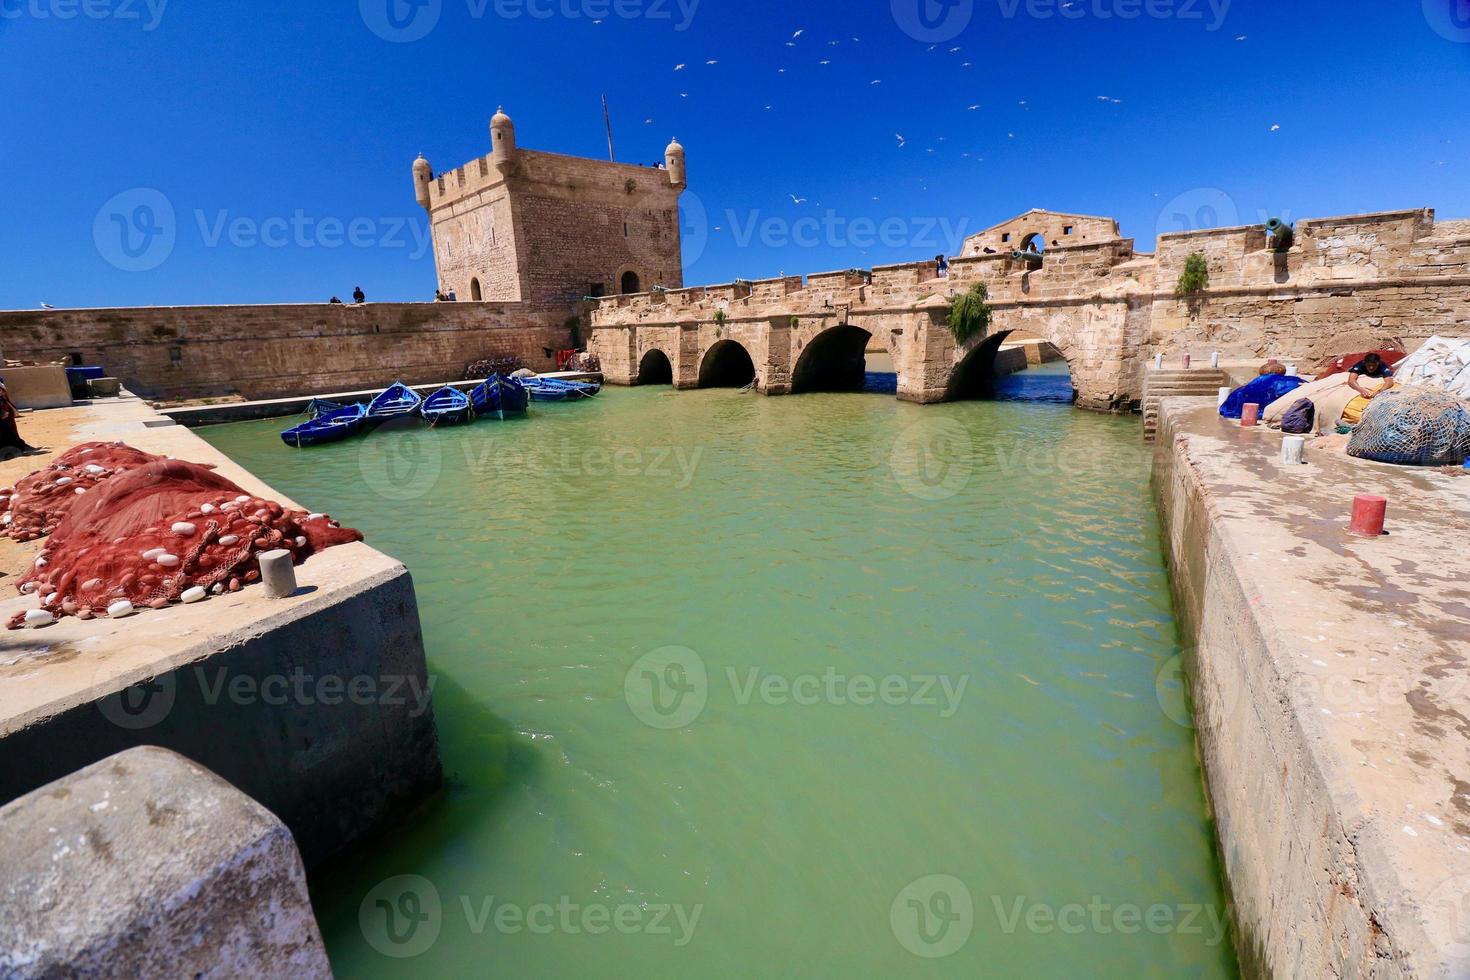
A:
{"x":398,"y":401}
{"x":447,"y":406}
{"x":556,"y":390}
{"x":327,"y":427}
{"x":500,"y":396}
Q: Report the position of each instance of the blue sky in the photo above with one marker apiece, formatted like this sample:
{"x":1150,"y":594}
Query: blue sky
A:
{"x":280,"y":135}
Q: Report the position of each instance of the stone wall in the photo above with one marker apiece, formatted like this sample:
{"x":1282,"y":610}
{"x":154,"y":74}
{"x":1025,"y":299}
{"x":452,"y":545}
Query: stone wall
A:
{"x":1346,"y":284}
{"x":279,"y":351}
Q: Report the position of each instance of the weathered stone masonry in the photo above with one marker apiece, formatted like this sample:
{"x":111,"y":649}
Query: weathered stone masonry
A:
{"x":1346,"y":283}
{"x":277,"y":351}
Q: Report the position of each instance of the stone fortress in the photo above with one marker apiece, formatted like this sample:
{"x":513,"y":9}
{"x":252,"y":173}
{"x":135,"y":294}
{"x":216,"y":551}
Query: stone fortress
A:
{"x":545,"y":252}
{"x":521,"y":226}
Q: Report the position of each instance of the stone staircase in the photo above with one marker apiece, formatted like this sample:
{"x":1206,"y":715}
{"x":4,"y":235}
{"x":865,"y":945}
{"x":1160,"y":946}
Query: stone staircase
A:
{"x":1167,"y":383}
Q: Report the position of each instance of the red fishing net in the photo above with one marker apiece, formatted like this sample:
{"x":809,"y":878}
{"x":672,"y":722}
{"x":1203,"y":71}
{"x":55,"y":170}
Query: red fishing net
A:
{"x":35,"y":506}
{"x":164,"y":531}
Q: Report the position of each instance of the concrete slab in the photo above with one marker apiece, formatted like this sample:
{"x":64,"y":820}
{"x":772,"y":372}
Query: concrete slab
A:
{"x":317,"y":705}
{"x":1331,"y":682}
{"x":147,"y":865}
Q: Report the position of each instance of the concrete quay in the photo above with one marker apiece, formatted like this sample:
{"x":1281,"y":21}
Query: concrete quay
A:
{"x":317,"y":705}
{"x":1328,"y":674}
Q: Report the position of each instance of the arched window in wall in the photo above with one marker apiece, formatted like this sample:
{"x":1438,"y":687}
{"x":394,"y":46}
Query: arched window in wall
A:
{"x":475,"y":290}
{"x":630,"y":283}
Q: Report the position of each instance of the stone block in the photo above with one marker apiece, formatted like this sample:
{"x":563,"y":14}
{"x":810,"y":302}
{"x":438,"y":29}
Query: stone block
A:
{"x":148,"y":865}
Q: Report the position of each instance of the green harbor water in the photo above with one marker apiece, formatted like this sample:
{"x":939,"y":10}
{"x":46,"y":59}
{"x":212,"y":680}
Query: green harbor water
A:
{"x":824,"y":685}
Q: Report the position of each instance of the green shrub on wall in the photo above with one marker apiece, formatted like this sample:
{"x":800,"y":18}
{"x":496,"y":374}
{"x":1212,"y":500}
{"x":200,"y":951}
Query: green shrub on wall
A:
{"x":1195,"y":278}
{"x":969,"y":314}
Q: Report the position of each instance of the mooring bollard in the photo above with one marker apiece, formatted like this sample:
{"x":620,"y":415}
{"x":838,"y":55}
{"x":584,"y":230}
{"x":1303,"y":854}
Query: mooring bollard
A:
{"x":1294,"y":449}
{"x":1224,"y":394}
{"x":1186,"y":362}
{"x":1368,"y":513}
{"x":1215,"y":359}
{"x":277,"y":573}
{"x":1250,"y":414}
{"x":1158,"y":362}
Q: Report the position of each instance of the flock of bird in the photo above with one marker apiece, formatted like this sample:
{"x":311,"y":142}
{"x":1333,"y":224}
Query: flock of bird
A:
{"x":795,"y":41}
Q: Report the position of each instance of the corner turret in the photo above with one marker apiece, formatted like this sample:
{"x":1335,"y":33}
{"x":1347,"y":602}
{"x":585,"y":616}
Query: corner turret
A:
{"x":423,"y":174}
{"x":674,"y":160}
{"x":503,"y":140}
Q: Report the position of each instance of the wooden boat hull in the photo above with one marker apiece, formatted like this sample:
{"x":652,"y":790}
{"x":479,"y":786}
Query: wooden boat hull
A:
{"x":447,"y":406}
{"x":334,"y":426}
{"x":499,"y":396}
{"x":396,"y":401}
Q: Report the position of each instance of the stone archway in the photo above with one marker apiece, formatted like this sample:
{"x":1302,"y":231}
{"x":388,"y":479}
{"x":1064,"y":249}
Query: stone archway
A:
{"x":975,"y":375}
{"x":630,"y":283}
{"x":655,"y":369}
{"x":834,"y":360}
{"x":727,"y":364}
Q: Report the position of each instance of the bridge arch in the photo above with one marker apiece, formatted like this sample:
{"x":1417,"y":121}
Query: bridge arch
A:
{"x":655,"y":368}
{"x":974,"y":374}
{"x":727,"y":364}
{"x":834,"y":360}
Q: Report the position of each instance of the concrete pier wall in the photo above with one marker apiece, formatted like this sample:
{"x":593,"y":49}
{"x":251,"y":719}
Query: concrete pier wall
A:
{"x":1326,"y":674}
{"x":317,"y":705}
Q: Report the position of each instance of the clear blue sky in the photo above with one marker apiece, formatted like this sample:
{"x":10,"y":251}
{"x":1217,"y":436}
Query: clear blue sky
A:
{"x":270,"y":128}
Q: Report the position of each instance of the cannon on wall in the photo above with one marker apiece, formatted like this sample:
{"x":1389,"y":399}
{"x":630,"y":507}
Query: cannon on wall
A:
{"x":1031,"y":258}
{"x":1280,"y":235}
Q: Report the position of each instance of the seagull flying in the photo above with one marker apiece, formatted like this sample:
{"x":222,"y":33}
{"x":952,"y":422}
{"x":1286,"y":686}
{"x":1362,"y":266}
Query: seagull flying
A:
{"x":800,"y":31}
{"x":876,"y":81}
{"x":974,"y":107}
{"x":712,"y":61}
{"x":901,"y":141}
{"x":1276,"y":128}
{"x":1242,"y":37}
{"x":46,"y":306}
{"x":796,"y":200}
{"x":679,"y":67}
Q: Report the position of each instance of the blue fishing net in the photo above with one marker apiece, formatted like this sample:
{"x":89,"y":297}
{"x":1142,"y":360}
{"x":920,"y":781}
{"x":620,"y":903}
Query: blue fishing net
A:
{"x":1414,"y":427}
{"x":1262,"y":391}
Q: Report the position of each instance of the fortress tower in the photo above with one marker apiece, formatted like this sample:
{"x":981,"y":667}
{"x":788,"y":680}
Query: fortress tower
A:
{"x":546,"y":229}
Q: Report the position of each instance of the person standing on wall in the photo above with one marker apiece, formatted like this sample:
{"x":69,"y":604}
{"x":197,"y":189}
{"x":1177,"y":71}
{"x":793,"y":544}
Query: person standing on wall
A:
{"x":941,"y":265}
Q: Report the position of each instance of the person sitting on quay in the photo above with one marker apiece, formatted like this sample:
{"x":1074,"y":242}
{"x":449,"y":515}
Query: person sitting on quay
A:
{"x":358,"y":296}
{"x":334,"y":301}
{"x":1371,"y":366}
{"x":11,"y":444}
